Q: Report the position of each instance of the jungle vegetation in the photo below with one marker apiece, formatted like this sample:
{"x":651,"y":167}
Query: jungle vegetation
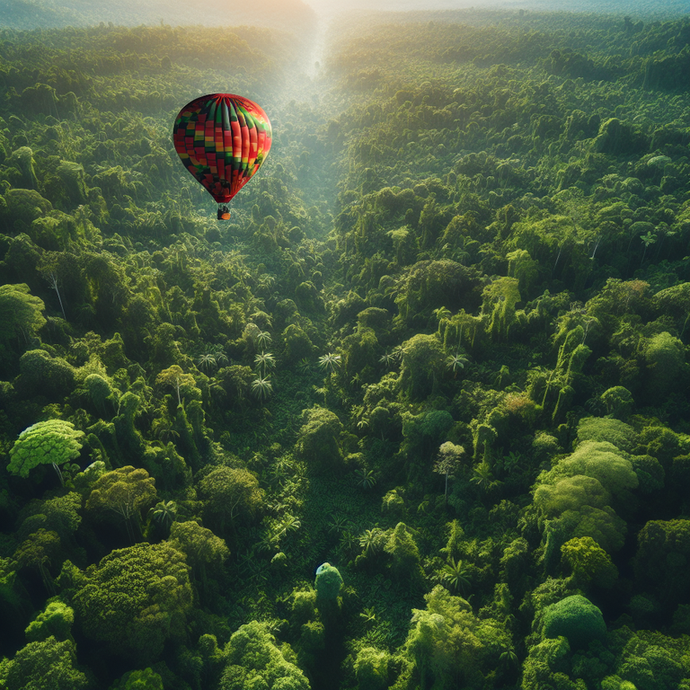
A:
{"x":439,"y":352}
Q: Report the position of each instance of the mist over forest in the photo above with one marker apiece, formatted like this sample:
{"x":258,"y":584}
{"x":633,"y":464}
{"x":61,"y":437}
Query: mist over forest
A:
{"x":416,"y":417}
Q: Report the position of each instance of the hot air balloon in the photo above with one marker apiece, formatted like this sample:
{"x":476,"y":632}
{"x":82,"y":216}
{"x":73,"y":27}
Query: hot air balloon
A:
{"x":222,"y":139}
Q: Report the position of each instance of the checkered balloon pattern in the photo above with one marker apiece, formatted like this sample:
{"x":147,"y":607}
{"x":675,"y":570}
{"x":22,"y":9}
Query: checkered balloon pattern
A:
{"x":222,"y":139}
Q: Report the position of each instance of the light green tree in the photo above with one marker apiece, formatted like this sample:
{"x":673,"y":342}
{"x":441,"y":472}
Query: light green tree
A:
{"x":54,"y":442}
{"x":447,"y":463}
{"x":56,"y":619}
{"x":371,"y":668}
{"x":450,"y":646}
{"x":589,"y":563}
{"x":230,"y":494}
{"x":256,"y":661}
{"x":175,"y":377}
{"x":125,"y":492}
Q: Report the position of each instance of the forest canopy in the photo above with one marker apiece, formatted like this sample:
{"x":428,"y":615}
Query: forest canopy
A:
{"x":415,"y":417}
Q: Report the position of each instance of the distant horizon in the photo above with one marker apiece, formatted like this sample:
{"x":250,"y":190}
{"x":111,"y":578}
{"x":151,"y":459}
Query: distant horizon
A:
{"x":635,"y":7}
{"x":295,"y":15}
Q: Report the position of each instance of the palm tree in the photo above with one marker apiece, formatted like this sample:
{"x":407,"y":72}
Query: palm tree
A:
{"x":163,"y":430}
{"x":339,"y":523}
{"x":330,"y":362}
{"x":455,"y":573}
{"x":398,"y":352}
{"x":508,"y":658}
{"x":289,"y":524}
{"x":207,"y":362}
{"x":649,"y":238}
{"x":365,"y":478}
{"x":482,"y":476}
{"x":321,"y":391}
{"x":370,"y":541}
{"x":455,"y":362}
{"x":388,"y":359}
{"x":441,"y":314}
{"x":262,"y":388}
{"x":265,"y":360}
{"x":164,"y":514}
{"x":502,"y":375}
{"x":263,"y":338}
{"x":212,"y":357}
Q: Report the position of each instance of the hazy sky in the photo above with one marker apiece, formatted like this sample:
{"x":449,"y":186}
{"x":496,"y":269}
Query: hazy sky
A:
{"x":331,"y":6}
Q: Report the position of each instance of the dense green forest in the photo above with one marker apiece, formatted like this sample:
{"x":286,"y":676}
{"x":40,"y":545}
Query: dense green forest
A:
{"x":417,"y":417}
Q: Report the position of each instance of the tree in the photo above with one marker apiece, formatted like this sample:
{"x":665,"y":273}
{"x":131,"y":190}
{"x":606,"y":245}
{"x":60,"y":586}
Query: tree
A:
{"x":602,"y":461}
{"x":53,"y":442}
{"x":450,"y":646}
{"x":455,"y":362}
{"x":570,"y":494}
{"x":500,"y":299}
{"x":547,"y":666}
{"x":575,"y":618}
{"x":135,"y":599}
{"x":254,"y":660}
{"x":423,"y":363}
{"x":619,"y":402}
{"x":230,"y":494}
{"x":661,"y":560}
{"x":56,"y":619}
{"x":60,"y":514}
{"x":201,"y":546}
{"x":318,"y":440}
{"x":328,"y":583}
{"x":175,"y":377}
{"x":455,"y":574}
{"x":125,"y":492}
{"x":44,"y":375}
{"x":44,"y":665}
{"x":403,"y":549}
{"x":371,"y":668}
{"x":666,"y":365}
{"x":38,"y":551}
{"x":146,"y":679}
{"x":611,"y":430}
{"x":589,"y":563}
{"x":264,"y":361}
{"x":164,"y":513}
{"x":262,"y":388}
{"x":447,"y":462}
{"x":21,"y":313}
{"x":330,"y":362}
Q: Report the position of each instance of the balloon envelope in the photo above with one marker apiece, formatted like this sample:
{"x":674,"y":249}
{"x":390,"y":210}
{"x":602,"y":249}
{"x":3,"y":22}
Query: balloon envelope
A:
{"x":222,"y":139}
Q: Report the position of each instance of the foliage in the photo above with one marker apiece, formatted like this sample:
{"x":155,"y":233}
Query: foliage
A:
{"x":574,"y":618}
{"x":472,"y":232}
{"x":54,"y":442}
{"x":135,"y":599}
{"x":255,"y":660}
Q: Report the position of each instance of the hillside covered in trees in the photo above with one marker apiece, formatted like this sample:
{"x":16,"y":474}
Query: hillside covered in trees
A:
{"x":416,"y":417}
